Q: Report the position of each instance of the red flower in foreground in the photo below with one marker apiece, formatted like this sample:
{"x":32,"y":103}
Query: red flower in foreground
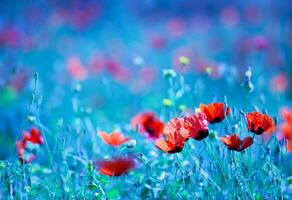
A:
{"x":234,"y":143}
{"x":148,"y":123}
{"x":195,"y":126}
{"x":34,"y":136}
{"x":215,"y":112}
{"x":174,"y":141}
{"x":286,"y":126}
{"x":259,"y":123}
{"x":115,"y":167}
{"x":113,"y":139}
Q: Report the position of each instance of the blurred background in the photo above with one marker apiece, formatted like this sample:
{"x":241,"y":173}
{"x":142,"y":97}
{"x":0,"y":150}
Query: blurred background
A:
{"x":106,"y":58}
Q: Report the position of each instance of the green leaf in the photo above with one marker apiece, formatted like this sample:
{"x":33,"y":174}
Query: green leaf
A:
{"x":7,"y":96}
{"x":258,"y":197}
{"x":113,"y":194}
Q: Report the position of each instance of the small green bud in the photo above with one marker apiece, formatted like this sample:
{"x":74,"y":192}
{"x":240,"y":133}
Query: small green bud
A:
{"x":167,"y":102}
{"x":31,"y":118}
{"x":184,"y":60}
{"x":90,"y":167}
{"x":182,"y":107}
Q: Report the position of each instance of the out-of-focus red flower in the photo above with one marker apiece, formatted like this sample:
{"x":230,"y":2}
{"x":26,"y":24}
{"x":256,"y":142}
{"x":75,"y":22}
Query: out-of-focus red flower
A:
{"x":234,"y":143}
{"x":176,"y":27}
{"x":11,"y":37}
{"x":286,"y":126}
{"x":195,"y":126}
{"x":279,"y":83}
{"x":24,"y":154}
{"x":259,"y":123}
{"x":20,"y":146}
{"x":174,"y":141}
{"x":76,"y":68}
{"x":148,"y":123}
{"x":34,"y":136}
{"x":252,"y":14}
{"x":229,"y":16}
{"x":147,"y":74}
{"x":286,"y":114}
{"x":260,"y":42}
{"x":215,"y":112}
{"x":113,"y":139}
{"x":115,"y":167}
{"x":97,"y":64}
{"x":158,"y":42}
{"x":119,"y":72}
{"x":19,"y":80}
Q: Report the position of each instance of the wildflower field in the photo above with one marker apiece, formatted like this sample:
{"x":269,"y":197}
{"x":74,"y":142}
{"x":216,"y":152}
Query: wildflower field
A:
{"x":148,"y":99}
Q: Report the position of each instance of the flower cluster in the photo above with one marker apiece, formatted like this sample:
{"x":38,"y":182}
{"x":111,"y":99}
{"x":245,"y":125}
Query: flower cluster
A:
{"x":178,"y":130}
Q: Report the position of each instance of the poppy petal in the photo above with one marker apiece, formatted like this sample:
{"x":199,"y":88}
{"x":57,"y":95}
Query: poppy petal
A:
{"x":248,"y":141}
{"x":115,"y":167}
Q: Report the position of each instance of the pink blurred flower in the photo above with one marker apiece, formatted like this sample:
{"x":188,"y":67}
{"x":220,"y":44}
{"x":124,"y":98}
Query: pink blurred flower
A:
{"x":97,"y":64}
{"x":158,"y":42}
{"x":176,"y":27}
{"x":260,"y":42}
{"x":279,"y":83}
{"x":120,"y":73}
{"x":76,"y":68}
{"x":229,"y":16}
{"x":252,"y":14}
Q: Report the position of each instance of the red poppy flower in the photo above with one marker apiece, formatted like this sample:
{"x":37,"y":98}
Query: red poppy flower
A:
{"x":113,"y":139}
{"x":215,"y":112}
{"x":234,"y":143}
{"x":195,"y":126}
{"x":115,"y":167}
{"x":148,"y":123}
{"x":174,"y":141}
{"x":286,"y":114}
{"x":286,"y":129}
{"x":20,"y":145}
{"x":23,"y":156}
{"x":34,"y":136}
{"x":286,"y":126}
{"x":259,"y":123}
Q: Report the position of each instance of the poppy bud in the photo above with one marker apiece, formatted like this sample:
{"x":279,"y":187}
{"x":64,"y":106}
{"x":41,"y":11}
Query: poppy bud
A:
{"x":77,"y":88}
{"x":167,"y":102}
{"x":169,"y":73}
{"x":90,"y":167}
{"x":247,"y":85}
{"x":131,"y":144}
{"x":289,"y":180}
{"x":31,"y":118}
{"x":183,"y":60}
{"x":35,"y":76}
{"x":212,"y":135}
